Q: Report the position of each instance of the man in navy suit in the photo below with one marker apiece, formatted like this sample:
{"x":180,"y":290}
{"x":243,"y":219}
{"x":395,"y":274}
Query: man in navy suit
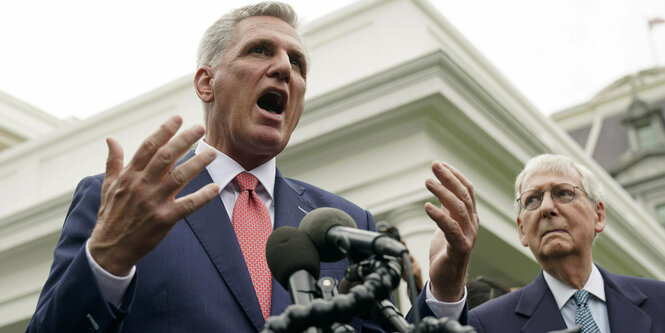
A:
{"x":149,"y":246}
{"x":559,"y":213}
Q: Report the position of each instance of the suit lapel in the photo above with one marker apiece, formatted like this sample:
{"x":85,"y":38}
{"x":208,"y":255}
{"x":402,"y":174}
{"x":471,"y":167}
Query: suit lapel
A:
{"x":538,"y":304}
{"x":623,"y":300}
{"x":214,"y":230}
{"x":290,"y":208}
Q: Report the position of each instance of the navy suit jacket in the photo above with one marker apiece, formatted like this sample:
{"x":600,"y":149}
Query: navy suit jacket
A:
{"x":195,"y":280}
{"x":633,"y":305}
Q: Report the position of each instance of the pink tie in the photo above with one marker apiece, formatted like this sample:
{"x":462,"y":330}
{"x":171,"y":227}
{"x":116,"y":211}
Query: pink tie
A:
{"x":251,"y":222}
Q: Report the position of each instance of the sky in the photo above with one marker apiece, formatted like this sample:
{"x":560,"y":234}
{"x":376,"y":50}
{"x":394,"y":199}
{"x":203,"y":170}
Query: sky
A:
{"x":76,"y":58}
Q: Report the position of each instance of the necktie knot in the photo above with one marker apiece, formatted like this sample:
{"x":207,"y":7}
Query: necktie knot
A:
{"x":246,"y":181}
{"x":583,"y":316}
{"x":581,"y":297}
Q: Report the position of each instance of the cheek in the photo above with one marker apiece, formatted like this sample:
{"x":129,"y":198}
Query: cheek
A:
{"x":294,"y":117}
{"x":522,"y":231}
{"x":530,"y":229}
{"x":298,"y":89}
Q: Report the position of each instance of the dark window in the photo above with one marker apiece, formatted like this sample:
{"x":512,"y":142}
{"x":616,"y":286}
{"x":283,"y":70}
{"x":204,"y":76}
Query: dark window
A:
{"x":660,"y":213}
{"x":647,"y":136}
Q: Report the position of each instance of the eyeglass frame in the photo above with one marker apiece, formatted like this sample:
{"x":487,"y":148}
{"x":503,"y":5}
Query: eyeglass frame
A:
{"x":542,"y":196}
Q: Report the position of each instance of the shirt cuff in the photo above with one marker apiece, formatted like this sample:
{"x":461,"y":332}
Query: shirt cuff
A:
{"x":444,"y":309}
{"x":113,"y":287}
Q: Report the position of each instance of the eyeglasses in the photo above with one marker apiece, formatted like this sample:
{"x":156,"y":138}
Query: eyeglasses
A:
{"x":561,"y":193}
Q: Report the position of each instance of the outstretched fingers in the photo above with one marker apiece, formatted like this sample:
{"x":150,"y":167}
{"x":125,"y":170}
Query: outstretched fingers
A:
{"x":452,"y":243}
{"x":181,"y":175}
{"x":138,"y":206}
{"x":154,"y":142}
{"x":467,"y":196}
{"x":441,"y":216}
{"x":186,"y":205}
{"x":450,"y":227}
{"x":452,"y":194}
{"x":456,"y":216}
{"x":166,"y":156}
{"x":114,"y":163}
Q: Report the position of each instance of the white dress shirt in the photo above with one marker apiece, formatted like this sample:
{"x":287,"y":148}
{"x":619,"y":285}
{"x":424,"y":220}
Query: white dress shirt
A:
{"x":444,"y":309}
{"x":222,"y":170}
{"x":562,"y":295}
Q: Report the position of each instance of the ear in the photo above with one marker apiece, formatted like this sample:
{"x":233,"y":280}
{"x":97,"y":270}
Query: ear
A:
{"x":601,"y":218}
{"x":203,"y":83}
{"x":522,"y":232}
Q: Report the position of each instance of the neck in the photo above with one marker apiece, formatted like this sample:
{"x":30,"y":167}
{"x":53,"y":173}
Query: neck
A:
{"x":574,"y":273}
{"x":247,"y":160}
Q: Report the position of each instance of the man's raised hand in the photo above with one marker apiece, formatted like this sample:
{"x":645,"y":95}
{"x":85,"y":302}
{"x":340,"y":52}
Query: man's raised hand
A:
{"x":138,"y":205}
{"x":457,"y":221}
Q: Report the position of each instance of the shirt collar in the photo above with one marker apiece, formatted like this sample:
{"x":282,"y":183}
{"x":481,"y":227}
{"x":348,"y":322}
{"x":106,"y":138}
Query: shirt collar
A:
{"x":562,"y":292}
{"x":223,"y":169}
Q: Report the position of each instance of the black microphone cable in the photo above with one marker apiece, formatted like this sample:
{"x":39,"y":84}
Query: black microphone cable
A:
{"x":411,"y":284}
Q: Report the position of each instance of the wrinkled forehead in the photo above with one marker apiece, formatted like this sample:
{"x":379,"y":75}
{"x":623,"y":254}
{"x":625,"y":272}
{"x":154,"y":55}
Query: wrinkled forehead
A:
{"x":543,"y":179}
{"x":269,"y":28}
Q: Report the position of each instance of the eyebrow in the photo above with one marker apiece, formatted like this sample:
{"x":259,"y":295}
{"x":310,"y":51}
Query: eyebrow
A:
{"x":540,"y":189}
{"x":294,"y":52}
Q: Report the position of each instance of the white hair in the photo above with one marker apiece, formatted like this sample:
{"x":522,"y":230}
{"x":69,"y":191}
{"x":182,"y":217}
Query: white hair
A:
{"x":564,"y":165}
{"x":218,"y":37}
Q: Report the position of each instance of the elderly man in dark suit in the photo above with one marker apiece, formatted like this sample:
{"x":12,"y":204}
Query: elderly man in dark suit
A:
{"x":560,"y":212}
{"x":159,"y":245}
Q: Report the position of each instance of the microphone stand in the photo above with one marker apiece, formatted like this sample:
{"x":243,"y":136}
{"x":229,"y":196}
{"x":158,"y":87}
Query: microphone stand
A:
{"x":339,"y":308}
{"x":362,"y":300}
{"x":327,"y":286}
{"x":390,"y":318}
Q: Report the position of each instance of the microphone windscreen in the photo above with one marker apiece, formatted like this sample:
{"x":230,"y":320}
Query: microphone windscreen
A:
{"x":289,"y":250}
{"x":317,"y":223}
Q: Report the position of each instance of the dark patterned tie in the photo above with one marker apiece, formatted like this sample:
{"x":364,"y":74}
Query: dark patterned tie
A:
{"x":583,"y":316}
{"x":251,"y":222}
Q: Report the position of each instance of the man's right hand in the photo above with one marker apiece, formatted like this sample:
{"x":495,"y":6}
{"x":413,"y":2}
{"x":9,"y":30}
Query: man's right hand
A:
{"x":138,"y":205}
{"x":457,"y":221}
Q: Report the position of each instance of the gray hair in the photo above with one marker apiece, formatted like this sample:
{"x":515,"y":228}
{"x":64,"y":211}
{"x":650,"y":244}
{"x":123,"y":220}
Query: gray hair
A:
{"x":218,"y":37}
{"x":564,"y":165}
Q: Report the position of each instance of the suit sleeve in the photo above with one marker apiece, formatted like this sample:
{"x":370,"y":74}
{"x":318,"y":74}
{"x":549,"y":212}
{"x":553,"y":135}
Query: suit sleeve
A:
{"x":71,"y":300}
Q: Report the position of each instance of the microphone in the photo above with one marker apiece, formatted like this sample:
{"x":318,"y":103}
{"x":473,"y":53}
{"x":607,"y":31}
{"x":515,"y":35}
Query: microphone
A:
{"x":294,"y":262}
{"x":336,"y":235}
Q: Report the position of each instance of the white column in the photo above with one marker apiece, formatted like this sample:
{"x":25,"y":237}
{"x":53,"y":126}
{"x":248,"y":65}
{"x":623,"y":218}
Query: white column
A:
{"x":416,"y":230}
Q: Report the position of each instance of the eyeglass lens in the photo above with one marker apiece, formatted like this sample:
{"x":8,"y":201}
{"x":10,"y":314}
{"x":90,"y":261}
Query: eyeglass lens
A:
{"x":561,"y":193}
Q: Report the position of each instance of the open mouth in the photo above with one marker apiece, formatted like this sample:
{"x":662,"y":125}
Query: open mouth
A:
{"x":272,"y":101}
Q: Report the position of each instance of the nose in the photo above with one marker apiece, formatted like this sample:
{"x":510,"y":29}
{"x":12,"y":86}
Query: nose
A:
{"x":280,"y":67}
{"x":548,"y":205}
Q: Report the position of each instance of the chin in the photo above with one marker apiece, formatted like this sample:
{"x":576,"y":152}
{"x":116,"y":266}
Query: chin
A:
{"x":270,"y":147}
{"x":555,"y":251}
